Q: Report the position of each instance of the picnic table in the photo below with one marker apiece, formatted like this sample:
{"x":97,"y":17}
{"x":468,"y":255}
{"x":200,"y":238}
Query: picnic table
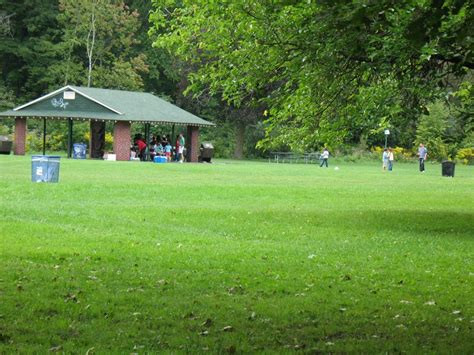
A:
{"x":290,"y":157}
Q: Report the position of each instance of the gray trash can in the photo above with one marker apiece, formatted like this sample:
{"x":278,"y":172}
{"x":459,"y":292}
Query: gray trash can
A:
{"x":207,"y":152}
{"x":447,"y":168}
{"x":79,"y":151}
{"x":45,"y":168}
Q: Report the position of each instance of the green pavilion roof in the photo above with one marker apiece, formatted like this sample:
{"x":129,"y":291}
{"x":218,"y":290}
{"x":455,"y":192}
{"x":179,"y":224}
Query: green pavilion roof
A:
{"x":106,"y":105}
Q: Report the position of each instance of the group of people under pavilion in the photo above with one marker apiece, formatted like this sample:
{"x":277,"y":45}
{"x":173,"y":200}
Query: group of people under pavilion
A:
{"x":159,"y":145}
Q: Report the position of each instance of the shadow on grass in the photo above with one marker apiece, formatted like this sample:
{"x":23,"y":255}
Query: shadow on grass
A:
{"x":419,"y":223}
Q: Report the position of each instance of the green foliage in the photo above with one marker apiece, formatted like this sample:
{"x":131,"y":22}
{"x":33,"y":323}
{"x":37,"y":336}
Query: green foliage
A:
{"x":102,"y":34}
{"x":47,"y":49}
{"x":400,"y":153}
{"x":54,"y":141}
{"x":28,"y":50}
{"x":7,"y":100}
{"x":465,"y":113}
{"x":330,"y":72}
{"x":34,"y":141}
{"x":465,"y":156}
{"x":121,"y":76}
{"x":222,"y":138}
{"x":431,"y":130}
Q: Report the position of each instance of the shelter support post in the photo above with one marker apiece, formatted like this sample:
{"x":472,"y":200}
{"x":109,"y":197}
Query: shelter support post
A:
{"x":20,"y":136}
{"x":122,"y":140}
{"x":193,"y":144}
{"x":69,"y":137}
{"x":147,"y":141}
{"x":44,"y":136}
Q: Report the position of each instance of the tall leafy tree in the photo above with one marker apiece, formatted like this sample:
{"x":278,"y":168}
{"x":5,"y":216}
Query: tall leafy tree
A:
{"x":241,"y":114}
{"x":330,"y":71}
{"x":27,"y":47}
{"x":97,"y":47}
{"x":98,"y":40}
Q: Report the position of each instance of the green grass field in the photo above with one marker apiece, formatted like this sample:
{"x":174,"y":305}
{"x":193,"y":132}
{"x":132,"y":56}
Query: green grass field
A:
{"x":236,"y":257}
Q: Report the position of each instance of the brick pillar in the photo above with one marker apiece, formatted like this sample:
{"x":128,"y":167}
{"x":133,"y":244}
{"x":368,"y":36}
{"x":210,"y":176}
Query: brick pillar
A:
{"x":20,"y":136}
{"x":192,"y":147}
{"x":122,"y":140}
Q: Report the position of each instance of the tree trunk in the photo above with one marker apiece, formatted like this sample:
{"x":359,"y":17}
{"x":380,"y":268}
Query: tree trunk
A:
{"x":239,"y":140}
{"x":97,"y":143}
{"x":90,"y":45}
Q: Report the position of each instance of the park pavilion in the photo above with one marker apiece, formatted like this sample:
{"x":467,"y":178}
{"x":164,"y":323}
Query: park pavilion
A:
{"x":123,"y":108}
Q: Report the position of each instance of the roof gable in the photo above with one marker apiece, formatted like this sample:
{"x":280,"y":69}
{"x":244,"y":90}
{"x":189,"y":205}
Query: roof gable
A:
{"x":66,"y":106}
{"x":60,"y":99}
{"x":107,"y":105}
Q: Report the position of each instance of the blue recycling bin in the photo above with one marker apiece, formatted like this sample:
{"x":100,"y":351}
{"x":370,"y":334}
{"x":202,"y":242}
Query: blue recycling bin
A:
{"x":79,"y":151}
{"x":45,"y":168}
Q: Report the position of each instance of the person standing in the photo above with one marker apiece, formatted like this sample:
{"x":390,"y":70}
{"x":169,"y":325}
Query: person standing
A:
{"x":422,"y":154}
{"x":324,"y":158}
{"x":168,"y":149}
{"x":176,"y":149}
{"x":140,"y":142}
{"x":385,"y":159}
{"x":181,"y":147}
{"x":391,"y":158}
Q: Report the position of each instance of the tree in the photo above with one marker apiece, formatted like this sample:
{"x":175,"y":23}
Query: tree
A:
{"x":5,"y":24}
{"x":314,"y":63}
{"x":98,"y":39}
{"x":28,"y":48}
{"x":432,"y":128}
{"x":241,"y":114}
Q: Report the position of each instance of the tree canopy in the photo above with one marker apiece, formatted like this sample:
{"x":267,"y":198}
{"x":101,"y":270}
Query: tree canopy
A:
{"x":328,"y":71}
{"x":293,"y":75}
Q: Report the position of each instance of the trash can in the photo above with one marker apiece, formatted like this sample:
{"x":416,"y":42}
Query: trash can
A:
{"x":447,"y":168}
{"x":5,"y":145}
{"x":79,"y":151}
{"x":207,"y":152}
{"x":44,"y":168}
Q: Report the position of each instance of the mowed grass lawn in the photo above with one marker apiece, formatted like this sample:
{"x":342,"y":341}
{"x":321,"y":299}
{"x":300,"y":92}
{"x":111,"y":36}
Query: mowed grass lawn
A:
{"x":236,"y":257}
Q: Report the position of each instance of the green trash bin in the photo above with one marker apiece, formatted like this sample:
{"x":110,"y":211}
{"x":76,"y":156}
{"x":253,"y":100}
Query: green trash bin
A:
{"x":45,"y":168}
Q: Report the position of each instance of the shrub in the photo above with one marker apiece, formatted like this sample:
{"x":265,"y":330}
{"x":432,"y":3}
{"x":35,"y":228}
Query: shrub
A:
{"x":56,"y":142}
{"x":465,"y":156}
{"x":399,"y":153}
{"x":109,"y":141}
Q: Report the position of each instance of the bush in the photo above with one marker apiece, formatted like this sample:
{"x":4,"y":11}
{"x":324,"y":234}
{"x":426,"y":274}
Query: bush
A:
{"x":56,"y":142}
{"x":399,"y":153}
{"x":34,"y":141}
{"x":109,"y":142}
{"x":465,"y":156}
{"x":4,"y":130}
